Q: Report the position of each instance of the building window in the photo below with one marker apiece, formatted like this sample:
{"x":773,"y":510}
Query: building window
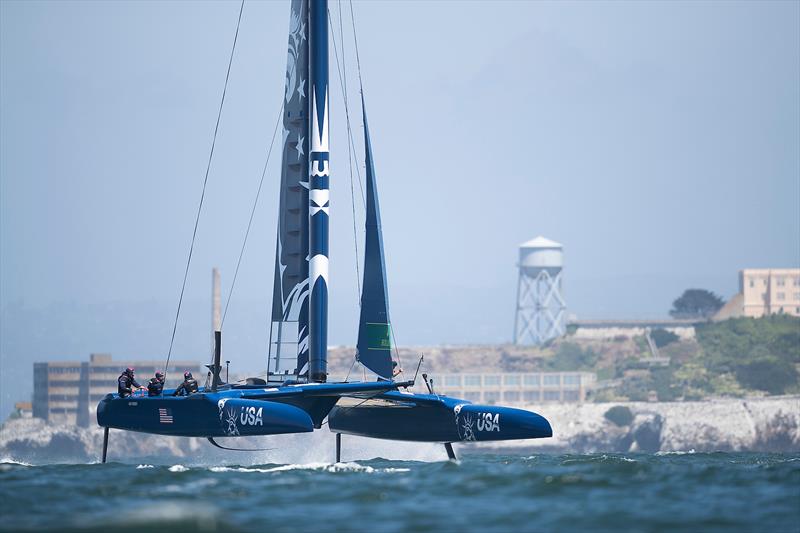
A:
{"x":531,"y":396}
{"x":491,"y":380}
{"x":572,"y":379}
{"x":511,"y":396}
{"x":531,"y":379}
{"x":491,"y":396}
{"x":781,"y":281}
{"x":797,"y":296}
{"x":781,"y":296}
{"x":472,"y":396}
{"x":796,"y":282}
{"x":511,"y":379}
{"x":552,"y":379}
{"x":752,"y":283}
{"x":571,"y":396}
{"x":472,"y":381}
{"x":452,"y":381}
{"x":552,"y":395}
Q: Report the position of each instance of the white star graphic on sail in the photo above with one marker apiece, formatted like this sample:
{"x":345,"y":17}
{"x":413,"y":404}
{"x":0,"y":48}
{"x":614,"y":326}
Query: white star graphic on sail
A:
{"x":299,"y":147}
{"x":301,"y":89}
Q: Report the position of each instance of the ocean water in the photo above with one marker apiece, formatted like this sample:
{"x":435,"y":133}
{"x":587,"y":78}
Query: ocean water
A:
{"x":631,"y":492}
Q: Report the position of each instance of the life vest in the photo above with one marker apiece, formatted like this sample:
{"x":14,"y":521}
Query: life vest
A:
{"x":155,"y":387}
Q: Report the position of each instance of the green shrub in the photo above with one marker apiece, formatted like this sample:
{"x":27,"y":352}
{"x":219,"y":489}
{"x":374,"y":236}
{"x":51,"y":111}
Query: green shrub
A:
{"x":570,"y":356}
{"x":662,"y":337}
{"x":769,"y":374}
{"x":619,"y":415}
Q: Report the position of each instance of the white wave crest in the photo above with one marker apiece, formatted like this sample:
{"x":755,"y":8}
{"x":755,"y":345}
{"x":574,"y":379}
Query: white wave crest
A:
{"x":178,"y":468}
{"x":140,"y":467}
{"x":10,"y":461}
{"x":324,"y":467}
{"x":677,"y":452}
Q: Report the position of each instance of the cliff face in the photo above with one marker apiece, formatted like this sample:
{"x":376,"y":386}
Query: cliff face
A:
{"x":758,"y":424}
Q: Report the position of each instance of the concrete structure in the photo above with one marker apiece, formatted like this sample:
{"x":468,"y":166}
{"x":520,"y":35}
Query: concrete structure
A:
{"x":767,"y":291}
{"x":68,"y":391}
{"x":23,"y":410}
{"x":541,"y":310}
{"x":610,"y":329}
{"x":517,"y":388}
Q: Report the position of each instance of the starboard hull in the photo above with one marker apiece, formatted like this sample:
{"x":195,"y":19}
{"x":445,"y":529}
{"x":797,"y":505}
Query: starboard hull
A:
{"x":431,"y":418}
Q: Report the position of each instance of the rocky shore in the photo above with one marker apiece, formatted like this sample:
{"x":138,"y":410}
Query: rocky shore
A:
{"x":770,"y":424}
{"x":753,"y":424}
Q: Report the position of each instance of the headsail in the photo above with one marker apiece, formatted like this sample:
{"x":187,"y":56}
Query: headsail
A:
{"x":374,"y":348}
{"x":288,"y":348}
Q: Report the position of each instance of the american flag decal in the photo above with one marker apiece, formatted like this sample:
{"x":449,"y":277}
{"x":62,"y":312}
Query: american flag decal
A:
{"x":165,"y":416}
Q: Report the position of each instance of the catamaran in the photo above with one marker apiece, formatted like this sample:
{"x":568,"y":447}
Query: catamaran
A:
{"x":296,"y":396}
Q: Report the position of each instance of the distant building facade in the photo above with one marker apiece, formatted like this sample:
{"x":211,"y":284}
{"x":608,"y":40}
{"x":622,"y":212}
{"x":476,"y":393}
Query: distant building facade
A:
{"x":767,"y":291}
{"x":68,"y":391}
{"x":764,"y":291}
{"x":517,"y":387}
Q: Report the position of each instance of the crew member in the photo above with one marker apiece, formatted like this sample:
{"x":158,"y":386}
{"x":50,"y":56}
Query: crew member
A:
{"x":156,"y":385}
{"x":396,"y":369}
{"x":189,"y":385}
{"x":126,"y":383}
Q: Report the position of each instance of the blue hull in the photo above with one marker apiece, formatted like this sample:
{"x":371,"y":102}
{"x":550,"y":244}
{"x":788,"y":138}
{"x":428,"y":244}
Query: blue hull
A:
{"x":432,"y":418}
{"x":202,"y":415}
{"x":231,"y":412}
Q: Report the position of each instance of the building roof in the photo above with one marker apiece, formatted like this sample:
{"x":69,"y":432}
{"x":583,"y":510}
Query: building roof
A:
{"x":540,"y":242}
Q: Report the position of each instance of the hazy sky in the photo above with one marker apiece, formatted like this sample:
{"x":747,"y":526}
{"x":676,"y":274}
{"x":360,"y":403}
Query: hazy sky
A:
{"x":657,"y":141}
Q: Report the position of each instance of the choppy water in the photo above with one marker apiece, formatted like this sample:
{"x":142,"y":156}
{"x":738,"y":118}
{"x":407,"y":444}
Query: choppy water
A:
{"x":697,"y":492}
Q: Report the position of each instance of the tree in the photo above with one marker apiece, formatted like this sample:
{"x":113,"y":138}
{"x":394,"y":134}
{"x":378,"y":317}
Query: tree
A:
{"x":696,"y":303}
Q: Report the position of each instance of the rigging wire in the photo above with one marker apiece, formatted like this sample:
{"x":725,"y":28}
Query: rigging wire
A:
{"x":343,"y":82}
{"x":203,"y":194}
{"x":347,"y":115}
{"x":252,"y":213}
{"x":361,"y":87}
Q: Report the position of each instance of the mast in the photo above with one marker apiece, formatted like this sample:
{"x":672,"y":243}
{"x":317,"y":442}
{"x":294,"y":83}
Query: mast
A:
{"x":319,"y":193}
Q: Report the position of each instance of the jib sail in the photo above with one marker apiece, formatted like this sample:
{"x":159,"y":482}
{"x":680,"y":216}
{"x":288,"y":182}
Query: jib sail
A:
{"x":374,"y":347}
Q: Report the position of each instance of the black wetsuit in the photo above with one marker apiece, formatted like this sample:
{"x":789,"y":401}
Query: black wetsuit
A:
{"x":189,"y":386}
{"x":125,"y":385}
{"x":155,"y":387}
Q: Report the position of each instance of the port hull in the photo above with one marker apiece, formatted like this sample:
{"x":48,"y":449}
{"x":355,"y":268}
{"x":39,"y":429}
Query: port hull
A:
{"x":202,"y":415}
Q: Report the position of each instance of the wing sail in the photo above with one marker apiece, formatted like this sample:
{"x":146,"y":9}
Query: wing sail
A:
{"x":288,"y":347}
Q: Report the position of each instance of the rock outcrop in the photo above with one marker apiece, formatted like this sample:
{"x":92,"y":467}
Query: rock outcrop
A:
{"x":769,"y":424}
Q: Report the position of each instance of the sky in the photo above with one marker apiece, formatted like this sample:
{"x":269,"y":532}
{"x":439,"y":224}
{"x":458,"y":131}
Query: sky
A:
{"x":658,"y":141}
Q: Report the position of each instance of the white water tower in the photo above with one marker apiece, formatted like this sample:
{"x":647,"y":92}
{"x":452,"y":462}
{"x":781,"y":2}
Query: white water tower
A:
{"x":541,"y":310}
